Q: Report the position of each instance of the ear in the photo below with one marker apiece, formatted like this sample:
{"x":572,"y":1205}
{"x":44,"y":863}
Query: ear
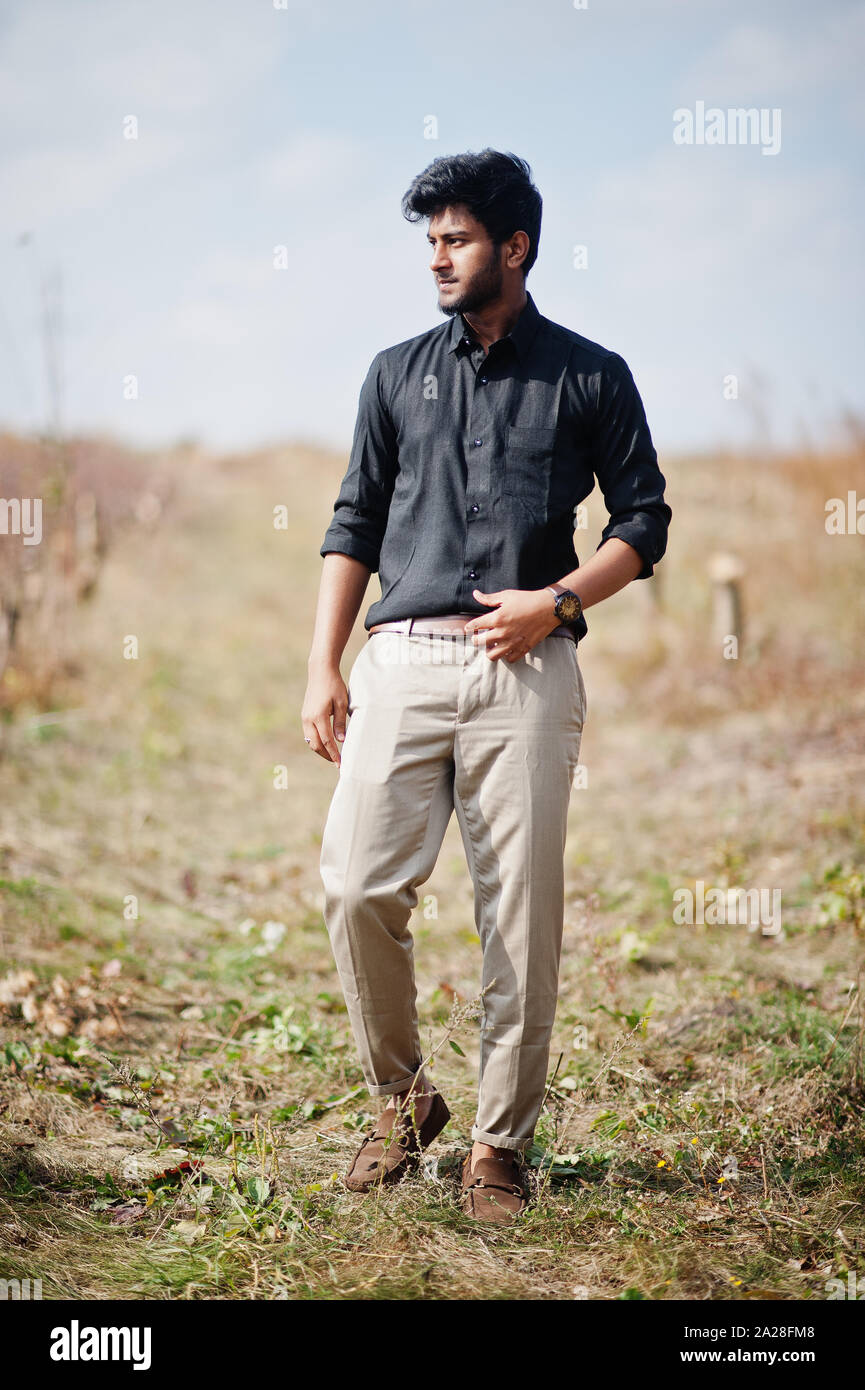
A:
{"x":518,"y":249}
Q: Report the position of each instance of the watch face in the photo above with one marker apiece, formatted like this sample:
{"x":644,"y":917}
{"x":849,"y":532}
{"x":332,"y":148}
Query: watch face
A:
{"x":568,"y":607}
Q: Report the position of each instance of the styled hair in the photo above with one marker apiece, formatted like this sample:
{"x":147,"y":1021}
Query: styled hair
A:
{"x":496,"y":188}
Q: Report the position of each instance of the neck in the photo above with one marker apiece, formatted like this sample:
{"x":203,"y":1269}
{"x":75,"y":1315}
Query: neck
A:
{"x":497,"y":319}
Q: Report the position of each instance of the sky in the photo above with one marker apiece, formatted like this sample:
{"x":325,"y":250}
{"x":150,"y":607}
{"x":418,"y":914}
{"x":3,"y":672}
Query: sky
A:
{"x":728,"y":276}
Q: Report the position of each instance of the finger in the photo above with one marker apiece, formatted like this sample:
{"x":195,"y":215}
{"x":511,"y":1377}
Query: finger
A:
{"x":488,"y":634}
{"x":325,"y":733}
{"x":513,"y":650}
{"x":320,"y":738}
{"x":496,"y":649}
{"x":313,"y":739}
{"x":486,"y":598}
{"x":339,"y":721}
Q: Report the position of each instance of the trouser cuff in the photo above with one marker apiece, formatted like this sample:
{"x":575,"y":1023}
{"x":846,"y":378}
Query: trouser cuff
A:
{"x":499,"y":1141}
{"x":393,"y":1088}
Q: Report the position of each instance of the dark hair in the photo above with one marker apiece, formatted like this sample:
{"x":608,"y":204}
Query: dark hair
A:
{"x":496,"y":188}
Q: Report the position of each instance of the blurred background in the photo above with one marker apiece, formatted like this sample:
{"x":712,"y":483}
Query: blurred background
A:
{"x":201,"y":250}
{"x":148,"y":183}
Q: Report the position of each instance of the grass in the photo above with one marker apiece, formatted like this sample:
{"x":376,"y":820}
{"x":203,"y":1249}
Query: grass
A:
{"x":169,"y":994}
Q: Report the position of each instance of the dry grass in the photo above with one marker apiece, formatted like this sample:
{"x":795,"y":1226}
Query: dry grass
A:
{"x":152,"y":780}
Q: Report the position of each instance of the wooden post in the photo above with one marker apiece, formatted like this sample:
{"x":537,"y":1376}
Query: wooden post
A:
{"x":726,"y":572}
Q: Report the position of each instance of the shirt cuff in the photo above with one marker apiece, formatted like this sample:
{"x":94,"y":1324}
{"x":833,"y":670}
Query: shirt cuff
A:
{"x":355,"y":548}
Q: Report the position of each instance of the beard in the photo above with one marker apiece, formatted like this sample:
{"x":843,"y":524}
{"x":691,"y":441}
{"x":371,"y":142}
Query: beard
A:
{"x":484,"y":287}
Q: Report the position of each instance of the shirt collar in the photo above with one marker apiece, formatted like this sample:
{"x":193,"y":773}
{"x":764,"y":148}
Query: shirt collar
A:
{"x":522,"y":334}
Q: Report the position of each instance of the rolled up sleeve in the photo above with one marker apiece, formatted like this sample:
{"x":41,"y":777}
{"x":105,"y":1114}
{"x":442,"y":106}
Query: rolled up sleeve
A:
{"x":626,"y":466}
{"x":361,"y":509}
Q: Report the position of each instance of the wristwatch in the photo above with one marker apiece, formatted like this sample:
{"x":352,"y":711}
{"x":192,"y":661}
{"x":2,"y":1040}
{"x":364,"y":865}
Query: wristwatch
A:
{"x":568,"y":606}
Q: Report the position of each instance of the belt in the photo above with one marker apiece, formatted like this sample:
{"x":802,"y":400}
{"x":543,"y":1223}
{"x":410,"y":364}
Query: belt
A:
{"x":448,"y":624}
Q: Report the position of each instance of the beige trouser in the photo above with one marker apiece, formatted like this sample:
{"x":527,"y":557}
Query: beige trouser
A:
{"x":436,"y":726}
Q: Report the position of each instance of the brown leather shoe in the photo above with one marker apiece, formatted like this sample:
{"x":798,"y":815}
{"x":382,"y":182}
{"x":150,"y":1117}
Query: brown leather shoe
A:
{"x":393,"y":1148}
{"x":497,"y":1190}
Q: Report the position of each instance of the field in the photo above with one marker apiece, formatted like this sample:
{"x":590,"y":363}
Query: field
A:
{"x":179,"y":1092}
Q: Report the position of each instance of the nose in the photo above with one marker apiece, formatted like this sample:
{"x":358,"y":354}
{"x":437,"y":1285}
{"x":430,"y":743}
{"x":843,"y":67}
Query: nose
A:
{"x":439,"y":261}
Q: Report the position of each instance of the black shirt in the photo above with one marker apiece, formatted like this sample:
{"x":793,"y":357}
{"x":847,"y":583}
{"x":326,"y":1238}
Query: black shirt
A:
{"x":466,"y":470}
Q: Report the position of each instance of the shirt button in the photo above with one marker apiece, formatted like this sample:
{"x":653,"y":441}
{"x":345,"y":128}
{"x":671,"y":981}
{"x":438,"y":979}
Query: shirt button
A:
{"x":475,"y":508}
{"x":483,"y":381}
{"x":477,"y":443}
{"x":473,"y":574}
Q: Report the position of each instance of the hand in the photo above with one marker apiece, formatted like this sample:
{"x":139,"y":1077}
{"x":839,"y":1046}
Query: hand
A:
{"x":326,"y":700}
{"x":522,"y":618}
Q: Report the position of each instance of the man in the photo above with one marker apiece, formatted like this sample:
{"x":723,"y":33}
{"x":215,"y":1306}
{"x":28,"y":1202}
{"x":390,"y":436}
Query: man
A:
{"x":474,"y":444}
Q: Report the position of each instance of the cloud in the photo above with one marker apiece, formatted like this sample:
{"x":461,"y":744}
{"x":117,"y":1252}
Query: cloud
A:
{"x":690,"y":213}
{"x":72,"y":73}
{"x":64,"y":64}
{"x":66,"y":179}
{"x":312,"y":162}
{"x":223,"y":302}
{"x":762,"y":64}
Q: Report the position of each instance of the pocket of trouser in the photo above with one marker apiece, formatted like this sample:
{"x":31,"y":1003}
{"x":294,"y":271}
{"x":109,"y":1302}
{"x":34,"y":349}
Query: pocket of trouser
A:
{"x":582,"y":685}
{"x":353,"y":684}
{"x":579,"y":682}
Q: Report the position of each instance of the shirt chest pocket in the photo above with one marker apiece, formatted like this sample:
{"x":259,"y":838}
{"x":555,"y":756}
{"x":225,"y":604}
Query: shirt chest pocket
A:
{"x":528,"y":469}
